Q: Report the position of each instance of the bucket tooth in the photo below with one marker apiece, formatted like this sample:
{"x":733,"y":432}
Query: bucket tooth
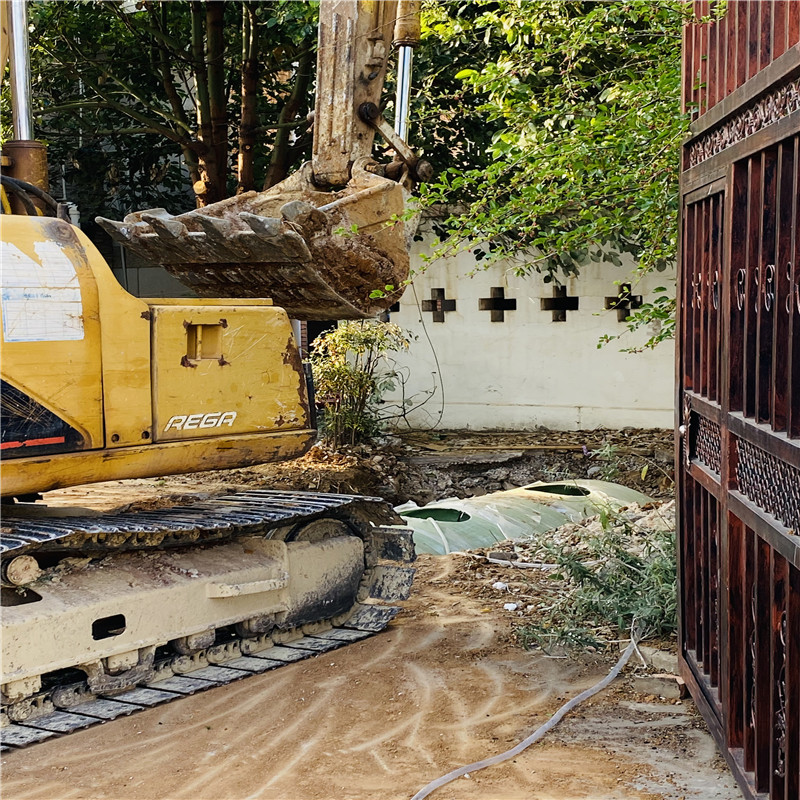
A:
{"x":220,"y":235}
{"x":118,"y":231}
{"x":265,"y":227}
{"x":164,"y":228}
{"x":284,"y":245}
{"x":138,"y":216}
{"x":175,"y":239}
{"x":217,"y":230}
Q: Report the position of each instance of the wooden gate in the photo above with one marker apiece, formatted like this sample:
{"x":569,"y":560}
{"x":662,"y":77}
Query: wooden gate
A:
{"x":738,"y":388}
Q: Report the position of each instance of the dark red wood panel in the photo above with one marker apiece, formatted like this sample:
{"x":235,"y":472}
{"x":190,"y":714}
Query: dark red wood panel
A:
{"x":738,"y":387}
{"x":727,"y":44}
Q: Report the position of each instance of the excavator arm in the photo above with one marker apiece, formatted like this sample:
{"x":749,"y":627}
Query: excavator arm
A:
{"x":320,"y":242}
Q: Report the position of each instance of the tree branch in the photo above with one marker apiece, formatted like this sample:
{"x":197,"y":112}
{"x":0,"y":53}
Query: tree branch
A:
{"x":175,"y":100}
{"x":155,"y":31}
{"x":123,"y":84}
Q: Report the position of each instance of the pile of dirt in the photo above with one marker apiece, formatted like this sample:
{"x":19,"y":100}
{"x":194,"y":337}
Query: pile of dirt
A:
{"x":419,"y":466}
{"x":469,"y":463}
{"x":434,"y":465}
{"x":527,"y":582}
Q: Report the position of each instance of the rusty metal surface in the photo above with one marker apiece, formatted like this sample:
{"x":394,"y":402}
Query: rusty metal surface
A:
{"x":738,"y":388}
{"x":355,"y":38}
{"x":317,"y":254}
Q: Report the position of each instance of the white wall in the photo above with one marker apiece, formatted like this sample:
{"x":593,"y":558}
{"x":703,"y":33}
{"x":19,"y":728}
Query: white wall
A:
{"x":529,"y":371}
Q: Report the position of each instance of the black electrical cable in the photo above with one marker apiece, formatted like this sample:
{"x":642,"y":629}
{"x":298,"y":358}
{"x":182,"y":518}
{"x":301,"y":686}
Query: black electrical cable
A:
{"x":20,"y":194}
{"x":17,"y":186}
{"x":435,"y":358}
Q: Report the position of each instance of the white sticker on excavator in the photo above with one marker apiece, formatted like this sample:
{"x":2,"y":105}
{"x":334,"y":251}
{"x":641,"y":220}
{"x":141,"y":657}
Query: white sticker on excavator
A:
{"x":41,"y":301}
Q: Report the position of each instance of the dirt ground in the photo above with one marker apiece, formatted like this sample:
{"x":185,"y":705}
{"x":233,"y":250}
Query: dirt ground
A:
{"x":424,"y":466}
{"x":445,"y":685}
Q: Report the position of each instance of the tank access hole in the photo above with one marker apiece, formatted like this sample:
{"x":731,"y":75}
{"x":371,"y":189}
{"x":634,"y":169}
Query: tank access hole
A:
{"x":566,"y":489}
{"x":106,"y":627}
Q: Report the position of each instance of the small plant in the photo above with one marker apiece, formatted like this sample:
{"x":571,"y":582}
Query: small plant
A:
{"x":352,"y":372}
{"x":608,"y":456}
{"x":604,"y":582}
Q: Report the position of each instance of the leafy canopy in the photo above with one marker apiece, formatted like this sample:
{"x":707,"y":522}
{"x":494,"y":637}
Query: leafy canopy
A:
{"x":138,"y":98}
{"x":582,"y":103}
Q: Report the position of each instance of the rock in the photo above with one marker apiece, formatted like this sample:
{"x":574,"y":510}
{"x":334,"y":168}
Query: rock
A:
{"x":661,"y":660}
{"x":668,"y":687}
{"x":502,"y":555}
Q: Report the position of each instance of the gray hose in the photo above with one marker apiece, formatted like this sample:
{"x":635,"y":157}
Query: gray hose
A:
{"x":536,"y":735}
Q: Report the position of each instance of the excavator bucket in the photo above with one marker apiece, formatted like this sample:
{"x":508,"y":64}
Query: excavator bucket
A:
{"x":320,"y":255}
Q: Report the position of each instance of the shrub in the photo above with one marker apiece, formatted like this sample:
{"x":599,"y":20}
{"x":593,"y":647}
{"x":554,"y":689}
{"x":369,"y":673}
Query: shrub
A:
{"x":605,"y":581}
{"x":352,"y":370}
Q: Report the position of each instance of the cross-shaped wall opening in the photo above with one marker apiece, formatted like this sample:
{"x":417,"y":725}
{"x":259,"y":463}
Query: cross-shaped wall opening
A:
{"x":623,"y":302}
{"x":559,"y":303}
{"x":438,"y":305}
{"x":497,"y":303}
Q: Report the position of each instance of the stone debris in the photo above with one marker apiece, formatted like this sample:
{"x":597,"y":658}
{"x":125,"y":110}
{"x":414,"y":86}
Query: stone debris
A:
{"x":494,"y":573}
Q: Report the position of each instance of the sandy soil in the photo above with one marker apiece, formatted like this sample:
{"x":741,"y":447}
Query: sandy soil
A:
{"x":445,"y":685}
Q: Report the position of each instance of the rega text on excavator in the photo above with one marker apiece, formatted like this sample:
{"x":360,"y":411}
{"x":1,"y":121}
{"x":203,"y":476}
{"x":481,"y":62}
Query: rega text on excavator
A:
{"x":104,"y":614}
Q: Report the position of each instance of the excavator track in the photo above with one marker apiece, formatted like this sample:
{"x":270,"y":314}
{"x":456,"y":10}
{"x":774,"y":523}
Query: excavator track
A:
{"x":67,"y":699}
{"x":222,"y":518}
{"x":104,"y":708}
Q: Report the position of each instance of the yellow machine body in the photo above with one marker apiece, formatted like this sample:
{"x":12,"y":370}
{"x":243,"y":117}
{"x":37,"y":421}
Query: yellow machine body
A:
{"x":104,"y":386}
{"x":100,"y":385}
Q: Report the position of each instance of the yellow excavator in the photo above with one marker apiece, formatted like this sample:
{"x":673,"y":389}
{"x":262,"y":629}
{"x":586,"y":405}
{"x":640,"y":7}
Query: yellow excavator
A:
{"x":103,"y":614}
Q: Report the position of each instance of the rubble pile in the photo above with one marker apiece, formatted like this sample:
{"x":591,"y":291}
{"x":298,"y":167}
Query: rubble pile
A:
{"x":434,"y":465}
{"x":527,"y":581}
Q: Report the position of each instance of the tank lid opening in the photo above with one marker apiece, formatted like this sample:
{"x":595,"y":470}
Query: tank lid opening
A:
{"x":570,"y":490}
{"x":438,"y":514}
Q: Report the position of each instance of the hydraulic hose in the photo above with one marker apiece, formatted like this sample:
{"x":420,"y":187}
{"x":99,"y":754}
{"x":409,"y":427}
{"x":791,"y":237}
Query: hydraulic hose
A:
{"x":537,"y":734}
{"x":19,"y":187}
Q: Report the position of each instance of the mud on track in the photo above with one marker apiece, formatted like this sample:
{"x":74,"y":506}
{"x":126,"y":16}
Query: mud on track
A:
{"x":444,"y":686}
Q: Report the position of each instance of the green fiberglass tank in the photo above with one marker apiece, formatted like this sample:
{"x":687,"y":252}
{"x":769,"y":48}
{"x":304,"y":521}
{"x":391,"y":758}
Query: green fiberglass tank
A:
{"x":448,"y":526}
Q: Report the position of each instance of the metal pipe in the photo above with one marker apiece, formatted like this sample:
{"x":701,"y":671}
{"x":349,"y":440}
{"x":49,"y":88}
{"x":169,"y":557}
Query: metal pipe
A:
{"x":405,"y":57}
{"x":21,"y":106}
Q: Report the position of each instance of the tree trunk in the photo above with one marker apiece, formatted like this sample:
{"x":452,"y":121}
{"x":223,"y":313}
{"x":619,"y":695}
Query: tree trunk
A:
{"x":208,"y":68}
{"x":247,"y":123}
{"x":215,"y":49}
{"x":279,"y":161}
